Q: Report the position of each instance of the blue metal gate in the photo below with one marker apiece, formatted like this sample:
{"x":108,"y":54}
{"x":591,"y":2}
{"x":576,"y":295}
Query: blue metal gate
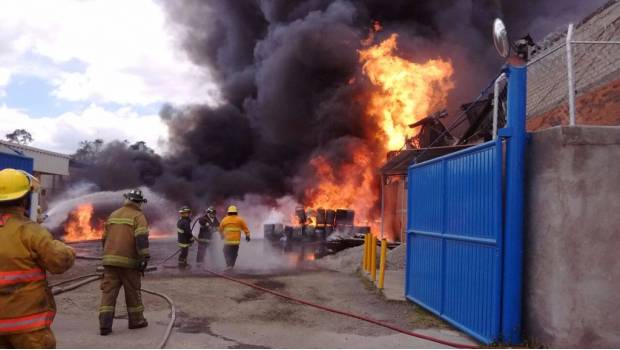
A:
{"x":454,"y":238}
{"x":464,"y":230}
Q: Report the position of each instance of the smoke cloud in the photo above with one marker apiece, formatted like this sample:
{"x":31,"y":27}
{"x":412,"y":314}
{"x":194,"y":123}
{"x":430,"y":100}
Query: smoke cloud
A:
{"x":284,"y":69}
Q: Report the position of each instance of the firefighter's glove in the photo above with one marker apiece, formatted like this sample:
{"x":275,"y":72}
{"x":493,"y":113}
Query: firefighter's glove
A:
{"x":247,"y":238}
{"x":142,"y":266}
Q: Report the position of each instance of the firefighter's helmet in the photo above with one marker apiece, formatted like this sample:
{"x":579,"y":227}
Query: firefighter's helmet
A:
{"x":185,"y":210}
{"x":232,"y":209}
{"x":135,"y":195}
{"x":210,"y":210}
{"x":15,"y":184}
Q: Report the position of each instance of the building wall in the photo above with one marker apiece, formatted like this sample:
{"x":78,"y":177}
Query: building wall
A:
{"x":395,"y":208}
{"x":600,"y":106}
{"x":572,"y":238}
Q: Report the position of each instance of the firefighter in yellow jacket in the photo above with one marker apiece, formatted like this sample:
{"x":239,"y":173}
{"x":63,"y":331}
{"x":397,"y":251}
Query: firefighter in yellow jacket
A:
{"x":230,"y":230}
{"x":125,"y":256}
{"x":27,"y":250}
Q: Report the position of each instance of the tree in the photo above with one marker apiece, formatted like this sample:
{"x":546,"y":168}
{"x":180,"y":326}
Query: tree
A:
{"x":141,"y":146}
{"x":21,"y":136}
{"x":88,"y":150}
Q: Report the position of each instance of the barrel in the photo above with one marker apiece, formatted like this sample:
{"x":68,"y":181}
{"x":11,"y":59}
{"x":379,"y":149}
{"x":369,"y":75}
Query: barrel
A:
{"x":321,"y":218}
{"x":268,"y":230}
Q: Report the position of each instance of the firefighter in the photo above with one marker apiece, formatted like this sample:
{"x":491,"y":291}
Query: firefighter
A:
{"x":125,"y":257}
{"x":185,"y":237}
{"x":230,"y":230}
{"x":208,"y":224}
{"x":27,"y":250}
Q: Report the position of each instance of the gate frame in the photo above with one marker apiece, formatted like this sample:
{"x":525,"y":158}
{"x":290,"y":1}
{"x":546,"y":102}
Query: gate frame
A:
{"x":514,"y":136}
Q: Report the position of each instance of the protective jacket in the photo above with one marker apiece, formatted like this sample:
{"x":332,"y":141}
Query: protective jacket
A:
{"x":231,"y":227}
{"x":126,"y":237}
{"x":208,"y":225}
{"x":27,"y":250}
{"x":184,"y":231}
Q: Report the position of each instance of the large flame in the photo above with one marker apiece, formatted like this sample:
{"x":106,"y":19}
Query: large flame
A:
{"x":80,"y":226}
{"x":349,"y":185}
{"x":403,"y":93}
{"x":406,"y":91}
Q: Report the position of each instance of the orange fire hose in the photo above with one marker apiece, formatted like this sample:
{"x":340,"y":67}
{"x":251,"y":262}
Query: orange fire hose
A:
{"x":345,"y":313}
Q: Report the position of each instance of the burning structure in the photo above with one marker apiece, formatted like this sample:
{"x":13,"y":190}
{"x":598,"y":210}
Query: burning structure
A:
{"x":313,"y":96}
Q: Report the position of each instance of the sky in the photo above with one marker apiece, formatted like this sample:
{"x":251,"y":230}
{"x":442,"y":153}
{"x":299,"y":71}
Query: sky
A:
{"x":73,"y":70}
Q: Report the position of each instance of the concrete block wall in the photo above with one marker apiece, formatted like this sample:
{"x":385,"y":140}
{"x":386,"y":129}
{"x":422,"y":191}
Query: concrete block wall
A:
{"x":572,"y":238}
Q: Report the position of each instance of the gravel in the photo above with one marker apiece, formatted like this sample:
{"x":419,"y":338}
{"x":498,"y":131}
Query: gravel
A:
{"x":347,"y":261}
{"x":397,"y":258}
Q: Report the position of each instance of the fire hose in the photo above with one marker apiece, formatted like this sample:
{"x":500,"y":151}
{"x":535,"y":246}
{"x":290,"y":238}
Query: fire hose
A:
{"x":345,"y":313}
{"x":95,"y":277}
{"x":281,"y":295}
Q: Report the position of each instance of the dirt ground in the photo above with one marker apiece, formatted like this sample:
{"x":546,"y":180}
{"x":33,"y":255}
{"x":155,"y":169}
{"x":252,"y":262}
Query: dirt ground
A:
{"x":216,"y":313}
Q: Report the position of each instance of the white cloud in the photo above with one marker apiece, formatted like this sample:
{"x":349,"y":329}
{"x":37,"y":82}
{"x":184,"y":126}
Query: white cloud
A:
{"x":129,"y":54}
{"x":63,"y":133}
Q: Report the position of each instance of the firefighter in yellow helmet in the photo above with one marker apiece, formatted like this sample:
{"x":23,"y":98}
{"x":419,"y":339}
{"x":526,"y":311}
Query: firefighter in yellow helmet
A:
{"x":230,"y":230}
{"x":125,"y":256}
{"x":27,"y":250}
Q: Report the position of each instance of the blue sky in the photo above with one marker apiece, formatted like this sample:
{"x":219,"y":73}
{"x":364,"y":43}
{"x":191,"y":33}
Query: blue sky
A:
{"x":64,"y":79}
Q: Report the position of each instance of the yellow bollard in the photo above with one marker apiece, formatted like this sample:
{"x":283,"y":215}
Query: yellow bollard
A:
{"x":364,"y":253}
{"x":382,"y":263}
{"x":373,"y":259}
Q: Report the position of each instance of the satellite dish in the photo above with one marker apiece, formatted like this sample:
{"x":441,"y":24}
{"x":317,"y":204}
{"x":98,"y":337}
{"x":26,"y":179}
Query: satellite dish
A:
{"x":500,"y":38}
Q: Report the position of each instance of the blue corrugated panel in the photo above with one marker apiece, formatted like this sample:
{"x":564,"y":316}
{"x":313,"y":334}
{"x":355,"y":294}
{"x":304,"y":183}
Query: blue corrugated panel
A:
{"x":454,"y":238}
{"x":16,"y":162}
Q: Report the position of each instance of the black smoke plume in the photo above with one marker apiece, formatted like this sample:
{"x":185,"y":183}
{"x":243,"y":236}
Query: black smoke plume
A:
{"x":284,"y":67}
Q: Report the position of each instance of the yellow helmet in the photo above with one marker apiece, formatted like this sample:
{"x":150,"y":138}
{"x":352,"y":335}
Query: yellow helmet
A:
{"x":15,"y":184}
{"x":232,"y":209}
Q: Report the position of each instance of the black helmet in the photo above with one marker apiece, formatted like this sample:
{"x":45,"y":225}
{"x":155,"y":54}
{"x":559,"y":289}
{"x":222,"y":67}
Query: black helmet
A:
{"x":185,"y":209}
{"x":210,"y":210}
{"x":135,"y":195}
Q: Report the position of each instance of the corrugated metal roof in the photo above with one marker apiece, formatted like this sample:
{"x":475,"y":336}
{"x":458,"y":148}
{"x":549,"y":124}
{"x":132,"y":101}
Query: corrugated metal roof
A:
{"x":47,"y":162}
{"x":398,"y":164}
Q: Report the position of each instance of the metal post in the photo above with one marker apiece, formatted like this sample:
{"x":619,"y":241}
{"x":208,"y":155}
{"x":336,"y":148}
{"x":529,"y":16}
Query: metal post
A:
{"x":382,"y":263}
{"x":382,"y":203}
{"x":571,"y":75}
{"x":34,"y":206}
{"x":367,"y":253}
{"x":373,"y":258}
{"x":364,"y":251}
{"x":496,"y":103}
{"x":515,"y":133}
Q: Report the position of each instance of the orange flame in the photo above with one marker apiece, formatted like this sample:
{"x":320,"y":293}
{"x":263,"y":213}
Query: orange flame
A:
{"x":406,"y":91}
{"x":79,"y":226}
{"x":403,"y":93}
{"x":350,"y":185}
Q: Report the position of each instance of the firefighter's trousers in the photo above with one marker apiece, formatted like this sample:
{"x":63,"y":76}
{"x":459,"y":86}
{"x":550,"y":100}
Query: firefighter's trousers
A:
{"x":200,"y":251}
{"x":113,"y":279}
{"x":39,"y":339}
{"x":230,"y":254}
{"x":183,"y":256}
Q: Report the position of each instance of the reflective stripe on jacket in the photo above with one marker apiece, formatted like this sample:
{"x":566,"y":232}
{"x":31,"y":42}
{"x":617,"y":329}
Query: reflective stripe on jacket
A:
{"x":27,"y":250}
{"x":126,"y":237}
{"x":231,"y":227}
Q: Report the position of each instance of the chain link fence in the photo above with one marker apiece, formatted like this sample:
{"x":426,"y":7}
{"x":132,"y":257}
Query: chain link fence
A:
{"x":588,"y":63}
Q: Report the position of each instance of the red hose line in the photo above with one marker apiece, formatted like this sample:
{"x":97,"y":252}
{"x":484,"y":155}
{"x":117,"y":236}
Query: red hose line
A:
{"x":346,"y":313}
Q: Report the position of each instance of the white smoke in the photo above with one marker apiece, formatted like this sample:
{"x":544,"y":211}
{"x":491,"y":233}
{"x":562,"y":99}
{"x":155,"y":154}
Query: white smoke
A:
{"x":161,"y":213}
